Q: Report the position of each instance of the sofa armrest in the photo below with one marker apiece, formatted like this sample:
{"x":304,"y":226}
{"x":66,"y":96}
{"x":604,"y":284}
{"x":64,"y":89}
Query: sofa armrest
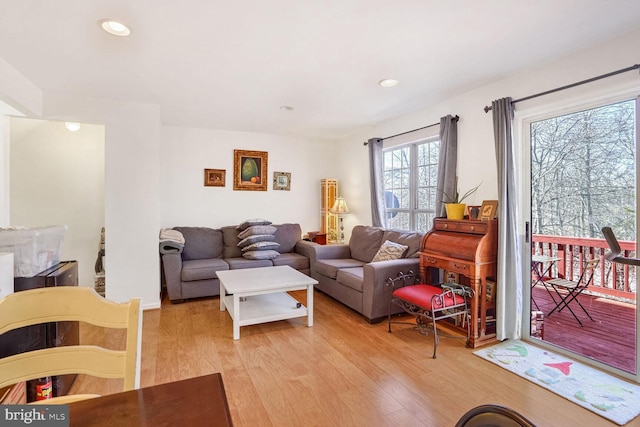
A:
{"x":376,"y":295}
{"x":340,"y":251}
{"x":172,"y":269}
{"x":306,"y":248}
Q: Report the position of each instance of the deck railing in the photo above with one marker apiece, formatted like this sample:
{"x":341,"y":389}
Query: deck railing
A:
{"x":613,"y":279}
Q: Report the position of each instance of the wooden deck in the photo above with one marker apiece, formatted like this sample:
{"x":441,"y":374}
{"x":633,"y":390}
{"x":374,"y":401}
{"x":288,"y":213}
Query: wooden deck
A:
{"x":610,"y":338}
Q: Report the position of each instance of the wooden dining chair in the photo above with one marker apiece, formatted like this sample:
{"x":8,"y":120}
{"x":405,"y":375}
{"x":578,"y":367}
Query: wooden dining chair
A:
{"x":569,"y":290}
{"x":71,"y":303}
{"x":494,"y":416}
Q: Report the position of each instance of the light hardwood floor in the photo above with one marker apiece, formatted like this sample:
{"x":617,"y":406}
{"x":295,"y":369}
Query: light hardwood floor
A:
{"x":340,"y":372}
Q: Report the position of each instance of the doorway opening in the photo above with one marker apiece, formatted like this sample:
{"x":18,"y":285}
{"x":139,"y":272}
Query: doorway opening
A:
{"x":583,"y":178}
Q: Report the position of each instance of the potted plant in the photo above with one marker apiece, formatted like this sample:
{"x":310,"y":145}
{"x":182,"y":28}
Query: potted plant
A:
{"x":454,"y":206}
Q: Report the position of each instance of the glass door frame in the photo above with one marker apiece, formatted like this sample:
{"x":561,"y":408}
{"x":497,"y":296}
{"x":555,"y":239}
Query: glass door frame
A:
{"x":522,"y":143}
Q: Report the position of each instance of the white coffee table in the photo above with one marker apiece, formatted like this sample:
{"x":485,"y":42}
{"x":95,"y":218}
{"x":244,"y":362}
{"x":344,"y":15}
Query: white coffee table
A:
{"x":264,"y":295}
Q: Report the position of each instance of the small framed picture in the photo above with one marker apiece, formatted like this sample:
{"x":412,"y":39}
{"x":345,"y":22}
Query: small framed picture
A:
{"x":473,"y":212}
{"x":488,"y":210}
{"x":491,"y":290}
{"x":282,"y":181}
{"x":214,"y":177}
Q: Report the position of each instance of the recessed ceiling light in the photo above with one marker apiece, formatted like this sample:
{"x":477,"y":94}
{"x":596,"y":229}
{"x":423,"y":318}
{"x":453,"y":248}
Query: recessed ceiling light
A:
{"x":286,"y":108}
{"x":388,"y":82}
{"x":72,"y":126}
{"x":114,"y":27}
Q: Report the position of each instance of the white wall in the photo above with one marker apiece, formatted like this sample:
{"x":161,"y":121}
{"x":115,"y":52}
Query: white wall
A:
{"x":132,"y":209}
{"x":186,"y":152}
{"x":476,"y":153}
{"x":57,"y":178}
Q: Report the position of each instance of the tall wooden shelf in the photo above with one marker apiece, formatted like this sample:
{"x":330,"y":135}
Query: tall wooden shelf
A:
{"x":329,"y":192}
{"x":468,"y":248}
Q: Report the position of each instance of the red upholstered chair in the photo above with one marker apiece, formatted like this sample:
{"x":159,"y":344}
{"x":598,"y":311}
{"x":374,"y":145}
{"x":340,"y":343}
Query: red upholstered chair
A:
{"x":431,"y":303}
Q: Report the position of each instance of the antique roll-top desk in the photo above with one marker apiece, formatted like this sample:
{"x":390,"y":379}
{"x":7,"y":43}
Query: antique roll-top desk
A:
{"x":469,"y":249}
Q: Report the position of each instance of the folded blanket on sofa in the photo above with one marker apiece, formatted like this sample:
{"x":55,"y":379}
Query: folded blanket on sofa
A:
{"x":169,"y":247}
{"x":168,"y":234}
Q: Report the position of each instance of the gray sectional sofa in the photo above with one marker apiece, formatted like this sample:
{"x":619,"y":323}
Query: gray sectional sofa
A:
{"x":347,"y":273}
{"x":190,"y":271}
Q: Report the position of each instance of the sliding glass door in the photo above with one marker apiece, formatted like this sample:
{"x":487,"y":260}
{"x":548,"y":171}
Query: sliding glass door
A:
{"x":583,"y":166}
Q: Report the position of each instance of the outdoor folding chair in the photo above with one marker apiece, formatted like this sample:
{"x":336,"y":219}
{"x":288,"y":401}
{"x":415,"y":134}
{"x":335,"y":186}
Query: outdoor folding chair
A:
{"x":430,"y":302}
{"x":569,"y":290}
{"x":614,"y":253}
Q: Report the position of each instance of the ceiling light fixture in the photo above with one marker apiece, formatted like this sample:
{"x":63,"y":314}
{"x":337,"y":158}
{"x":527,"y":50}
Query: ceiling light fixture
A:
{"x":388,"y":82}
{"x":114,"y":27}
{"x":72,"y":126}
{"x":286,"y":108}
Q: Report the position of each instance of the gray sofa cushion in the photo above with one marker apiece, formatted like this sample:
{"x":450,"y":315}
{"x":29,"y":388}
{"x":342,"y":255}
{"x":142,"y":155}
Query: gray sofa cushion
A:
{"x":255,"y":239}
{"x":260,"y":246}
{"x":412,"y":240}
{"x":294,"y":260}
{"x":231,"y":240}
{"x":239,"y":263}
{"x":351,"y":277}
{"x":202,"y":269}
{"x":251,"y":222}
{"x":330,"y":267}
{"x":365,"y":242}
{"x":257,"y":229}
{"x":201,"y":243}
{"x":261,"y":254}
{"x":287,"y":235}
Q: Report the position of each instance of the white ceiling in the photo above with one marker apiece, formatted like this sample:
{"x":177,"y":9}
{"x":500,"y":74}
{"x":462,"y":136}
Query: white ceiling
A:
{"x":232,"y":64}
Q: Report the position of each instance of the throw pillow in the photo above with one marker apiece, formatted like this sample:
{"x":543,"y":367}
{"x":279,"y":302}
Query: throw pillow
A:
{"x":389,"y":250}
{"x":261,"y":246}
{"x":269,"y":254}
{"x":255,"y":239}
{"x":251,"y":222}
{"x":257,"y":229}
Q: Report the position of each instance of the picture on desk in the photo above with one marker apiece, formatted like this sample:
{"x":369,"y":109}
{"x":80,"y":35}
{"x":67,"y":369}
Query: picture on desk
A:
{"x":488,"y":210}
{"x":473,"y":212}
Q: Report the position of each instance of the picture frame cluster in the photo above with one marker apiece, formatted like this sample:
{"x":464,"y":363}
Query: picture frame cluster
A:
{"x":249,"y":173}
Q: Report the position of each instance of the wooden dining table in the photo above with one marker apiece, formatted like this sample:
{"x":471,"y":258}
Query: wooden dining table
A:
{"x":199,"y":401}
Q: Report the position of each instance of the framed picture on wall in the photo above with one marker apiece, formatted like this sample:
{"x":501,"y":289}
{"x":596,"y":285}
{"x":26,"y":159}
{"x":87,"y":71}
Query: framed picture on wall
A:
{"x":250,"y":170}
{"x":282,"y":181}
{"x":214,"y":177}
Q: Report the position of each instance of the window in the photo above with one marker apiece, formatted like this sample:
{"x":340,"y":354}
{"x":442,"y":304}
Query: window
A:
{"x":583,"y":172}
{"x":410,"y":179}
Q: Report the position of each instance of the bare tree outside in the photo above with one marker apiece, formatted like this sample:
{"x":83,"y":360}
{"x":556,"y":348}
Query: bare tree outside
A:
{"x":583,"y":173}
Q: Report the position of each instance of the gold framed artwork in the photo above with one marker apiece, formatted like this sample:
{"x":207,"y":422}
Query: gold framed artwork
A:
{"x":473,"y":212}
{"x":488,"y":210}
{"x":250,"y":170}
{"x":282,"y":181}
{"x":214,"y":177}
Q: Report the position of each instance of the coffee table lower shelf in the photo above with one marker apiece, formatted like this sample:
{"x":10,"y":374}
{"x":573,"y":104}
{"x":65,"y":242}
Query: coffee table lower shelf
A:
{"x":265,"y":308}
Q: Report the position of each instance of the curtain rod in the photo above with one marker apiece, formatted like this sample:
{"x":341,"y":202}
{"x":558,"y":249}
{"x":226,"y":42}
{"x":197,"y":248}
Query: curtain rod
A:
{"x":456,"y":118}
{"x":593,"y":79}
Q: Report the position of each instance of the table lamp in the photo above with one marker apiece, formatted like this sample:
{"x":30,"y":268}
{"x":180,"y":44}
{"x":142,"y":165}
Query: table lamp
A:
{"x":340,"y":208}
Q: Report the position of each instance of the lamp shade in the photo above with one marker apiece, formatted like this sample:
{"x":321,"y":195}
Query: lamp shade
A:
{"x":339,"y":206}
